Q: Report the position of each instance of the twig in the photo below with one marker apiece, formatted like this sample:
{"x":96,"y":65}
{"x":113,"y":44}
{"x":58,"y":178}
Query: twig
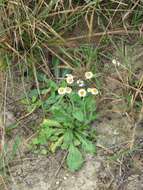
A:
{"x":26,"y":115}
{"x":112,"y":32}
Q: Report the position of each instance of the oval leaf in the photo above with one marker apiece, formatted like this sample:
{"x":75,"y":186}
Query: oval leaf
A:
{"x":74,"y":158}
{"x":78,"y":115}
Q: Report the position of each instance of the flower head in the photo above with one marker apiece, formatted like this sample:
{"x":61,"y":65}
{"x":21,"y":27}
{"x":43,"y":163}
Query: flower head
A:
{"x":69,"y":80}
{"x":88,"y":75}
{"x":115,"y":62}
{"x":82,"y":92}
{"x":61,"y":91}
{"x":94,"y":91}
{"x":68,"y":90}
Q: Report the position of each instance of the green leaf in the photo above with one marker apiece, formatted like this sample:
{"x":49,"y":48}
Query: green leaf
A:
{"x":50,"y":123}
{"x":74,"y":158}
{"x":42,"y":139}
{"x":78,"y":114}
{"x":42,"y":77}
{"x":75,"y":98}
{"x":52,"y":84}
{"x":34,"y":98}
{"x":50,"y":101}
{"x":76,"y":142}
{"x":86,"y":144}
{"x":61,"y":115}
{"x":47,"y":132}
{"x":90,"y":104}
{"x":25,"y":101}
{"x":68,"y":138}
{"x":33,"y":93}
{"x":35,"y":141}
{"x":53,"y":138}
{"x":54,"y":146}
{"x":45,"y":91}
{"x":55,"y":63}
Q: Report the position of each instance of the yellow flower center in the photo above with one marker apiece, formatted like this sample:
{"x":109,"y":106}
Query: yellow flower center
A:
{"x":82,"y":93}
{"x":61,"y":90}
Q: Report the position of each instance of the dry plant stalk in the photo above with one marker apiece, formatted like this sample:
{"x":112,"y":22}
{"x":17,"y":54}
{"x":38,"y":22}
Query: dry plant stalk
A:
{"x":1,"y":117}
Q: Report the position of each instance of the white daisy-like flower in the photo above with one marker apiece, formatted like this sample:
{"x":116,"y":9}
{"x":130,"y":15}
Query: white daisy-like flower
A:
{"x":88,"y":75}
{"x":61,"y":90}
{"x":82,"y":92}
{"x":115,"y":62}
{"x":94,"y":91}
{"x":68,"y":90}
{"x":69,"y":80}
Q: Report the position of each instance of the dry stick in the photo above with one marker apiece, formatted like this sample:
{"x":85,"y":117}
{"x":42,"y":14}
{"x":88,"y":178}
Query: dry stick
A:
{"x":80,"y":9}
{"x":104,"y":148}
{"x":26,"y":115}
{"x":112,"y":32}
{"x":89,"y":22}
{"x":4,"y":118}
{"x":63,"y":160}
{"x":14,"y":50}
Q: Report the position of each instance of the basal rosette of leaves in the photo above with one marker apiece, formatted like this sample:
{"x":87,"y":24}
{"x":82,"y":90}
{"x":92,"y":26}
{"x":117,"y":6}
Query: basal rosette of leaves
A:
{"x":70,"y":115}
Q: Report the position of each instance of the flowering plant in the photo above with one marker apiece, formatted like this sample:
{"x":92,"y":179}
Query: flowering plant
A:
{"x":71,"y":107}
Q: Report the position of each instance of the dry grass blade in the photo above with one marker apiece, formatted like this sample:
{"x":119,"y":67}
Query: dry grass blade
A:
{"x":109,"y":33}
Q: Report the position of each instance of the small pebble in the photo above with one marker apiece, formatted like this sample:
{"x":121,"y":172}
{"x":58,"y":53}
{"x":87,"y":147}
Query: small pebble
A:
{"x":65,"y":178}
{"x":67,"y":175}
{"x":57,"y":182}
